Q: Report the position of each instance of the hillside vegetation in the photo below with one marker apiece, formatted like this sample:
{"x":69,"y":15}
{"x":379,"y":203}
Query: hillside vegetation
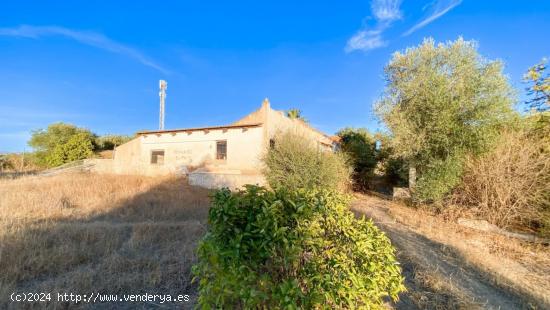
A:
{"x":61,"y":143}
{"x":455,"y":138}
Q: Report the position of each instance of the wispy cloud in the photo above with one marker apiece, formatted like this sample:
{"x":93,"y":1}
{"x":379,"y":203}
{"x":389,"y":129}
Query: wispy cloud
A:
{"x":365,"y":40}
{"x":437,"y":9}
{"x":384,"y":12}
{"x":94,"y":39}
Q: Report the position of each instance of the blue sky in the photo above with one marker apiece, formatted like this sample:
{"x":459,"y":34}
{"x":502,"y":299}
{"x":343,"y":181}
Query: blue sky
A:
{"x":97,"y":64}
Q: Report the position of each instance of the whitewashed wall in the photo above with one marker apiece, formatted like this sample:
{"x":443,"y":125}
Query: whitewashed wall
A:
{"x":185,"y":151}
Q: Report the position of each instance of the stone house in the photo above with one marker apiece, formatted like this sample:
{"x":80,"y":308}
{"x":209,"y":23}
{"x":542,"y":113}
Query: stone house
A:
{"x":214,"y":156}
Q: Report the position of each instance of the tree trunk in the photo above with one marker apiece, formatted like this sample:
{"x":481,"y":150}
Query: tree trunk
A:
{"x":412,"y":177}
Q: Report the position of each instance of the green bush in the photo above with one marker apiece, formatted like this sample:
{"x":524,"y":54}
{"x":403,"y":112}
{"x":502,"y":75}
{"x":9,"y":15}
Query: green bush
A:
{"x":396,"y":171}
{"x":109,"y":142}
{"x":293,"y":249}
{"x":439,"y":178}
{"x":295,"y":162}
{"x":360,"y":147}
{"x":393,"y":167}
{"x":61,"y":143}
{"x":79,"y":146}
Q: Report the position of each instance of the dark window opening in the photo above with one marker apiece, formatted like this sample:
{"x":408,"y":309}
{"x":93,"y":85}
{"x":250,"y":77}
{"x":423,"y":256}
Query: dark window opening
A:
{"x":157,"y":157}
{"x":221,"y":150}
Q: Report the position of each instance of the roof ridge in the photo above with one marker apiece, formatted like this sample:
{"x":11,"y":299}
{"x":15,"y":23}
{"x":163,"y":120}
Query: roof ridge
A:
{"x":198,"y":128}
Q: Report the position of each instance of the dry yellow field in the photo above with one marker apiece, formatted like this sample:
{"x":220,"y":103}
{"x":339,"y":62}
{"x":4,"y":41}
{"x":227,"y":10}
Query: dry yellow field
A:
{"x":85,"y":233}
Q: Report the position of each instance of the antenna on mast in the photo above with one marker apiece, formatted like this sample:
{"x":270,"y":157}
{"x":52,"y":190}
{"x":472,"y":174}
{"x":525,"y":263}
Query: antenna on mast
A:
{"x":162,"y":94}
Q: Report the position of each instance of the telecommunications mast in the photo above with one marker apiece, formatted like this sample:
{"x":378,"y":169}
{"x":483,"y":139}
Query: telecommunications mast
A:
{"x":162,"y":94}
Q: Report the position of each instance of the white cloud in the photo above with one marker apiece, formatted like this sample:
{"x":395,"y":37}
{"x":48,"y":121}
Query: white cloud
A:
{"x":365,"y":40}
{"x":85,"y":37}
{"x":439,"y":8}
{"x":385,"y":12}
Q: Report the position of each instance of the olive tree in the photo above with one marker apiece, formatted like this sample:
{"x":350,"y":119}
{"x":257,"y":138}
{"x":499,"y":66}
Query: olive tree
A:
{"x":441,"y":102}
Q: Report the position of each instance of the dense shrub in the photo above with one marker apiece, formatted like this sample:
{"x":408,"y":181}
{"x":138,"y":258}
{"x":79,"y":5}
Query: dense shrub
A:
{"x":292,"y":249}
{"x":17,"y":162}
{"x":511,"y":184}
{"x":52,"y":147}
{"x":395,"y":171}
{"x":360,"y":147}
{"x":109,"y":142}
{"x":5,"y":163}
{"x":438,"y":178}
{"x":295,"y":162}
{"x":79,"y":146}
{"x":62,"y":143}
{"x":391,"y":166}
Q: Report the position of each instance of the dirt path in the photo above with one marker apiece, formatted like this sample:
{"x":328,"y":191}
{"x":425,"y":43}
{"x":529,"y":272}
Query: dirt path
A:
{"x":436,"y":275}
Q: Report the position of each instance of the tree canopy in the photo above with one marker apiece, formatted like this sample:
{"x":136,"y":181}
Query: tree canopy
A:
{"x":443,"y":101}
{"x":61,"y":143}
{"x":538,"y":79}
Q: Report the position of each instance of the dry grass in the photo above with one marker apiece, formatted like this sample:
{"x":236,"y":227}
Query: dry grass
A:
{"x":510,"y":186}
{"x":90,"y":233}
{"x":428,"y":290}
{"x":521,"y":266}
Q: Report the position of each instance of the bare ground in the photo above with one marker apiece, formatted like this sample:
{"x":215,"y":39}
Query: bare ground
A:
{"x":437,"y":275}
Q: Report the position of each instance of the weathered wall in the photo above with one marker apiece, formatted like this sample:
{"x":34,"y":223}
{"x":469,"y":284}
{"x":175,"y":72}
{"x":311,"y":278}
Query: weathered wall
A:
{"x":100,"y":165}
{"x":219,"y":180}
{"x":127,"y":158}
{"x":185,"y":151}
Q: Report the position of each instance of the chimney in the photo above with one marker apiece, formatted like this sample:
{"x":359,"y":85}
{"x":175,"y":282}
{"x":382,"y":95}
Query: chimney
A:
{"x":265,"y":111}
{"x":265,"y":104}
